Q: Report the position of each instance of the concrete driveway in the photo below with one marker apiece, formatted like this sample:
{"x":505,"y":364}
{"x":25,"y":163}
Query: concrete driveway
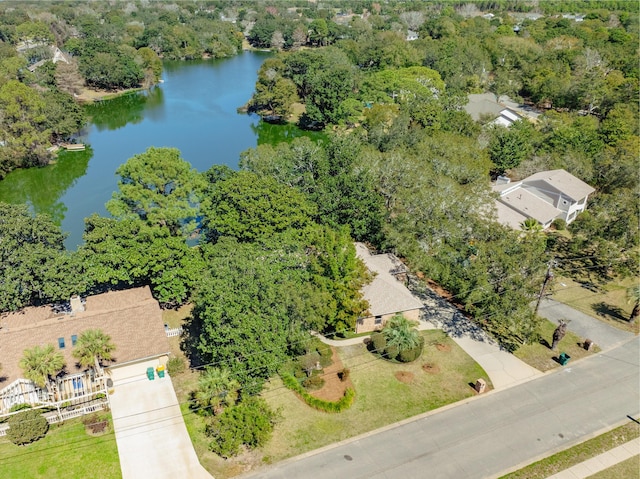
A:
{"x":584,"y":325}
{"x":151,"y":435}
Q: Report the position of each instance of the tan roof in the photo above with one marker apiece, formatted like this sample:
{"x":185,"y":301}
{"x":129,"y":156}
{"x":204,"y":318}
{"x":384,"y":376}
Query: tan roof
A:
{"x":385,"y":294}
{"x":564,"y":182}
{"x":508,"y":216}
{"x":530,"y":205}
{"x":132,"y":318}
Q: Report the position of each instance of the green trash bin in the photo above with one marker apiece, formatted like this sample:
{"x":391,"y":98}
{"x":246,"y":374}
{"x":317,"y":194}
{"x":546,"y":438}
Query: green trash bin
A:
{"x":160,"y":371}
{"x":563,"y":359}
{"x":151,"y":374}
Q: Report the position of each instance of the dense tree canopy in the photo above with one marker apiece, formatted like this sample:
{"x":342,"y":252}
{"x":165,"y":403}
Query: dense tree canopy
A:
{"x":34,"y":267}
{"x":158,"y":187}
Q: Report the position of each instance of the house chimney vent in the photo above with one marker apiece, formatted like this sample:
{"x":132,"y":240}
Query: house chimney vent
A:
{"x":76,"y":304}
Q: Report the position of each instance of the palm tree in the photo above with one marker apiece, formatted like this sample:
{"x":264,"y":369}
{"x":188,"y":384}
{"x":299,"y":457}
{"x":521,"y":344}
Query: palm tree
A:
{"x":531,"y":225}
{"x":633,"y":293}
{"x":216,"y":390}
{"x":38,"y":363}
{"x":93,"y":346}
{"x":401,"y":333}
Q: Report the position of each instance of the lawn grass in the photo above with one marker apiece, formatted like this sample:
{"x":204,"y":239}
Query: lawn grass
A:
{"x":607,"y":302}
{"x":540,"y":356}
{"x":629,"y":468}
{"x":66,"y":451}
{"x":580,"y":453}
{"x":175,"y":317}
{"x":381,"y":399}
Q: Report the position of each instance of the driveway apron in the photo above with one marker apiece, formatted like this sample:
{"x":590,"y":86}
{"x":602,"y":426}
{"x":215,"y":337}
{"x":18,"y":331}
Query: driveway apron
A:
{"x":151,"y":435}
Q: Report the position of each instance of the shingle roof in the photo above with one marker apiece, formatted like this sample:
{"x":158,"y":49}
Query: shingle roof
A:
{"x":132,"y":318}
{"x":385,"y":294}
{"x":564,"y":182}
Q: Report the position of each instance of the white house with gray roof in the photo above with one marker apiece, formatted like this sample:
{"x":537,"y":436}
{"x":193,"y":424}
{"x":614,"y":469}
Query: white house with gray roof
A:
{"x":387,"y":294}
{"x":544,"y":196}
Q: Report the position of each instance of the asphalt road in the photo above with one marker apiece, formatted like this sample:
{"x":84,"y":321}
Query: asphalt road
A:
{"x":488,"y":435}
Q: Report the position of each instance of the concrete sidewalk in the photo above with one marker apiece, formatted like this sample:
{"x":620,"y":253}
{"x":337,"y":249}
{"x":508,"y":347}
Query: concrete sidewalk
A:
{"x":601,"y":462}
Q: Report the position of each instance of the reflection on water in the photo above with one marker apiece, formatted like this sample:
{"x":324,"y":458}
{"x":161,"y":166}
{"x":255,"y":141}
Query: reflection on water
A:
{"x":127,"y":109}
{"x":194,"y":110}
{"x":42,"y":188}
{"x":268,"y":133}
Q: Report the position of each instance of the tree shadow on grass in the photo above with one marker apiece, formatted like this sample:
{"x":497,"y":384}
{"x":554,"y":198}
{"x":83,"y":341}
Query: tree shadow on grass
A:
{"x":191,"y":333}
{"x":613,"y":312}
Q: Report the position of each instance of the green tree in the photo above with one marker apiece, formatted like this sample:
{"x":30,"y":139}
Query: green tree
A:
{"x":508,"y":147}
{"x":34,"y":266}
{"x":274,"y":94}
{"x":216,"y":391}
{"x":22,"y":127}
{"x":401,"y":333}
{"x":129,"y":252}
{"x":93,"y":347}
{"x":250,"y":423}
{"x":248,"y":207}
{"x":160,"y":188}
{"x":41,"y":362}
{"x":240,"y":319}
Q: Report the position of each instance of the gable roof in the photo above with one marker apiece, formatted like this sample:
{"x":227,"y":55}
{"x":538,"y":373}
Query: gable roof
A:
{"x":385,"y":294}
{"x":131,"y":317}
{"x":563,"y":182}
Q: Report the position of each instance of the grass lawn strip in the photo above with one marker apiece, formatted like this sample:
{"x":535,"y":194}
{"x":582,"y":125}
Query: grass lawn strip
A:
{"x":577,"y":454}
{"x":629,"y":468}
{"x":381,"y":399}
{"x":607,"y":302}
{"x":541,"y":357}
{"x":66,"y":451}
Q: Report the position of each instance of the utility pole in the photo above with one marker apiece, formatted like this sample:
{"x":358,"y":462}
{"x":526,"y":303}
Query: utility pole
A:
{"x":547,"y":277}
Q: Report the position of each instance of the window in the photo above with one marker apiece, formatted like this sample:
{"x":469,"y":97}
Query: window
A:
{"x":61,"y":343}
{"x":74,"y":339}
{"x":378,"y":320}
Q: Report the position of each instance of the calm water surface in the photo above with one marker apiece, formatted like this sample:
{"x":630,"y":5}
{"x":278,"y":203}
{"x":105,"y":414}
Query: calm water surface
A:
{"x":194,"y":110}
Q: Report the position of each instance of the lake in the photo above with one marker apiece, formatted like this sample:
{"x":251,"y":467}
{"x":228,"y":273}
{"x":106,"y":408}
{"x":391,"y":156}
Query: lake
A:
{"x":194,"y":109}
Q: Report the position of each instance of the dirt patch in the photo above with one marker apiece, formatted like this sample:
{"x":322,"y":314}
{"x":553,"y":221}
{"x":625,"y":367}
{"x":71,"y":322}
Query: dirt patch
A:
{"x":445,"y":348}
{"x":404,"y":376}
{"x":334,"y":387}
{"x":431,"y":368}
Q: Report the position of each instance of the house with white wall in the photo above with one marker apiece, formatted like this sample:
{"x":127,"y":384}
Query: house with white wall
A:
{"x":544,"y":196}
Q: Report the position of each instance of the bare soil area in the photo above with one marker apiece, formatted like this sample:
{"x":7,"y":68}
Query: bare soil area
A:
{"x":404,"y":376}
{"x":334,"y":387}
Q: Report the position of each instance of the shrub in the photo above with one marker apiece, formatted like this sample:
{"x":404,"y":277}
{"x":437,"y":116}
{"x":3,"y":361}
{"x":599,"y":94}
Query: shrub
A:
{"x":313,"y":382}
{"x":249,"y":423}
{"x":378,"y":342}
{"x":409,"y":355}
{"x":391,"y":352}
{"x":559,"y":224}
{"x":175,"y":365}
{"x":20,"y":407}
{"x":27,"y":426}
{"x":320,"y":404}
